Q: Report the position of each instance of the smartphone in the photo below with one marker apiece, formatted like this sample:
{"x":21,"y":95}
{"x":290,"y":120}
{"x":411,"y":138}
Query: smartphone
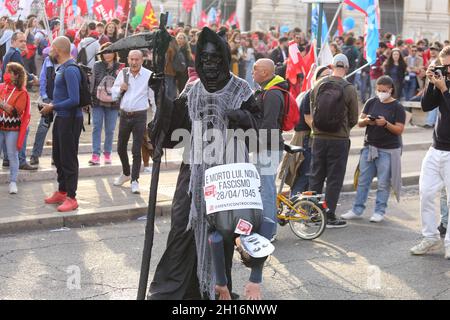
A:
{"x":372,"y":118}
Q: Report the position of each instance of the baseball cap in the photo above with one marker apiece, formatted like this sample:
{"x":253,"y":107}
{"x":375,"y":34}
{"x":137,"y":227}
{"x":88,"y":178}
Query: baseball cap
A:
{"x":256,"y":245}
{"x":341,"y":60}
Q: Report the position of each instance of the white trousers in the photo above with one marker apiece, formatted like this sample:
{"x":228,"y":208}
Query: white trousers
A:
{"x":434,"y":176}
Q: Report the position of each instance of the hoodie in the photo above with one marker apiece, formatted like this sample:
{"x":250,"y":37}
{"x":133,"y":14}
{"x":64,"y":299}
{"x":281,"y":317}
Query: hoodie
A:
{"x":272,"y":104}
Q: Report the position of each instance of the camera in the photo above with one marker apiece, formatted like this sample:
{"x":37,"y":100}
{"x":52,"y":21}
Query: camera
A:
{"x":48,"y":119}
{"x":441,"y":71}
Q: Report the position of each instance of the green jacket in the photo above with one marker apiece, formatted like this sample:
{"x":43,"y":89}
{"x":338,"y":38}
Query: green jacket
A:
{"x":352,"y":110}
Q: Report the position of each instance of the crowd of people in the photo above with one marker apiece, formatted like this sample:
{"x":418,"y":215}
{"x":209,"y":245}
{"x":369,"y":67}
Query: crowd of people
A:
{"x":241,"y":74}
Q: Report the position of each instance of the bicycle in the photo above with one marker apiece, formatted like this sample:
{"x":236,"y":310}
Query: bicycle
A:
{"x":303,"y":212}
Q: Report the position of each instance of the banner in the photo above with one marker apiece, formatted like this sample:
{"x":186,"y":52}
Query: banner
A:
{"x":149,"y":18}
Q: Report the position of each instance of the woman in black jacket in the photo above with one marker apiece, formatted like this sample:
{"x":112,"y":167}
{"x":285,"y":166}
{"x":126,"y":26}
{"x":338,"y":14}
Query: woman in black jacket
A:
{"x":185,"y":48}
{"x":104,"y":110}
{"x":395,"y":67}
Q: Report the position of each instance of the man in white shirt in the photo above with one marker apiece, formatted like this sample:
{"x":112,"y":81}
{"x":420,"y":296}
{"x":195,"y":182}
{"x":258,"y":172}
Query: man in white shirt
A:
{"x":136,"y":99}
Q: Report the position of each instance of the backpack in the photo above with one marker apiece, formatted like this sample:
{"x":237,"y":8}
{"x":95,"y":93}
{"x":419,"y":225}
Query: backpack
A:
{"x":82,"y":55}
{"x":2,"y":51}
{"x":85,"y":94}
{"x":104,"y":93}
{"x":291,"y":111}
{"x":330,"y":111}
{"x":179,"y":62}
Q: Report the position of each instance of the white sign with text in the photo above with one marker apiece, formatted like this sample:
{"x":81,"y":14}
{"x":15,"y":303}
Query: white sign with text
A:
{"x":232,"y":187}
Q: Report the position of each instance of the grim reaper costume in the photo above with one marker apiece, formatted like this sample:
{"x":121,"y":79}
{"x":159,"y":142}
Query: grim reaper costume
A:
{"x":220,"y":101}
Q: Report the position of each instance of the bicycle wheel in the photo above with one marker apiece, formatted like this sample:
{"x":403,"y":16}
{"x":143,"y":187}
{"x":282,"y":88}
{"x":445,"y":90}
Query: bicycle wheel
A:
{"x":312,"y":227}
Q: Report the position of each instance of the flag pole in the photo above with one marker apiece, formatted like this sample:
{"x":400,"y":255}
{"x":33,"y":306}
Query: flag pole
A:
{"x":46,"y":23}
{"x":61,"y":18}
{"x":319,"y":32}
{"x":357,"y":70}
{"x":333,"y":22}
{"x":128,"y":19}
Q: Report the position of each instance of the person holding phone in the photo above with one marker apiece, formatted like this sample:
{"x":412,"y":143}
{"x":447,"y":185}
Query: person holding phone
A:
{"x":384,"y":117}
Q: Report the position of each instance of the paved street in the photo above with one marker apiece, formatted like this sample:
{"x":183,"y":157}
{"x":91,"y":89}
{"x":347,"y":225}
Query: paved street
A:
{"x":364,"y":261}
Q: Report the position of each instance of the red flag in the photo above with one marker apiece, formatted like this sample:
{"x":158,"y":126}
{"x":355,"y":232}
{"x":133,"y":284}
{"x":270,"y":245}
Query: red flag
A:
{"x":310,"y":68}
{"x":12,"y":6}
{"x":295,"y":63}
{"x":203,"y":22}
{"x":50,"y":8}
{"x":82,"y":4}
{"x":149,"y":18}
{"x":104,"y":9}
{"x":232,"y":21}
{"x":189,"y":4}
{"x":340,"y":26}
{"x":123,"y":7}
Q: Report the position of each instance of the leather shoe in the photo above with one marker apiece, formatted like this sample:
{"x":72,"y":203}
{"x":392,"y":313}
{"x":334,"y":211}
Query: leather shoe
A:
{"x":34,"y":161}
{"x":27,"y":167}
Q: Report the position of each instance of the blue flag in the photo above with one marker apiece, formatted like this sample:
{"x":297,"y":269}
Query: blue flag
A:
{"x":372,"y":37}
{"x":315,"y":23}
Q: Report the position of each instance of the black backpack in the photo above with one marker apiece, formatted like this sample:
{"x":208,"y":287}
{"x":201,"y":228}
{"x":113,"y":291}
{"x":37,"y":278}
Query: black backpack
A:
{"x":330,"y":110}
{"x":2,"y":51}
{"x":85,"y":93}
{"x":82,"y":55}
{"x":179,"y":62}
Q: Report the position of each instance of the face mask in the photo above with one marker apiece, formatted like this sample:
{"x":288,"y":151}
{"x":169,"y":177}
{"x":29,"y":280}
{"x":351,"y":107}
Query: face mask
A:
{"x":383,"y":96}
{"x":7,"y":78}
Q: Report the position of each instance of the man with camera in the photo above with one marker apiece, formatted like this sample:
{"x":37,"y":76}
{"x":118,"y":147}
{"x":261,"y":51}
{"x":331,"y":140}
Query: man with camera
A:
{"x":436,"y":166}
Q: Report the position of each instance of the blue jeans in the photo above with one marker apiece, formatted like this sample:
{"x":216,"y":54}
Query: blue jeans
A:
{"x":444,"y":208}
{"x":304,"y":171}
{"x":109,"y":117}
{"x":9,"y":138}
{"x":432,"y":117}
{"x":267,"y":167}
{"x":380,"y":168}
{"x":22,"y":152}
{"x":410,"y":88}
{"x":365,"y":87}
{"x":39,"y":140}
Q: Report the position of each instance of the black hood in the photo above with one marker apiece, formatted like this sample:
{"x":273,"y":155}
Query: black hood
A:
{"x":207,"y":35}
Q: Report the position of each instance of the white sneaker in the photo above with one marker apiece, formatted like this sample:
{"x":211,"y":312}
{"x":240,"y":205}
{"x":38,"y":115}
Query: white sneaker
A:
{"x":377,"y":218}
{"x":135,"y":187}
{"x":13,"y":188}
{"x":121,"y":180}
{"x":350,"y":215}
{"x":426,"y":246}
{"x":148,"y":170}
{"x":447,"y":253}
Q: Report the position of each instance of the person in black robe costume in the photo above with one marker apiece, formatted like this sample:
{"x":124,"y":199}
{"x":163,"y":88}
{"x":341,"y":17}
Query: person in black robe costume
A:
{"x":175,"y":277}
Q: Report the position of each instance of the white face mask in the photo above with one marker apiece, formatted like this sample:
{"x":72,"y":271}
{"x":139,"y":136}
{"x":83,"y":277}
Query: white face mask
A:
{"x":383,"y":96}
